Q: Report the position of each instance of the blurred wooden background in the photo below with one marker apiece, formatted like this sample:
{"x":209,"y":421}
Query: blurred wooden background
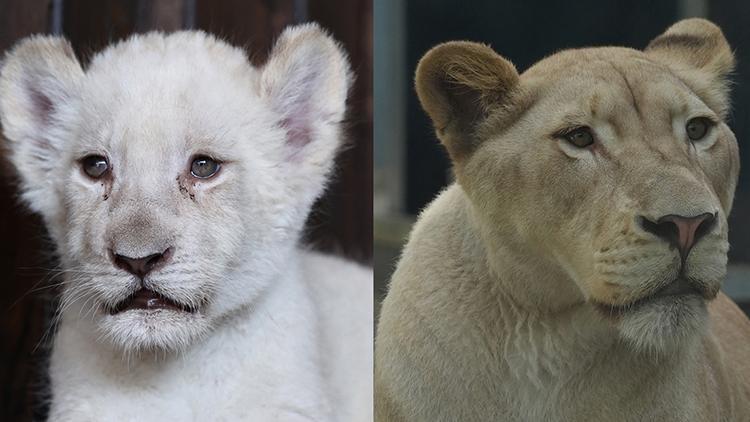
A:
{"x":341,"y":222}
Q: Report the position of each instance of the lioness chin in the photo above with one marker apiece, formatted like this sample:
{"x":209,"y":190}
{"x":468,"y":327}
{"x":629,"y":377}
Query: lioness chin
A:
{"x":573,"y":271}
{"x":175,"y":179}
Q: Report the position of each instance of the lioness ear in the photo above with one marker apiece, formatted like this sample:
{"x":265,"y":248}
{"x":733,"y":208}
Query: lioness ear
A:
{"x":38,"y":80}
{"x":697,"y":51}
{"x":306,"y":81}
{"x":458,"y":84}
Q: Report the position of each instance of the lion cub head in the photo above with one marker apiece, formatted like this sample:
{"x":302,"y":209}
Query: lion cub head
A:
{"x":612,"y":169}
{"x":173,"y":176}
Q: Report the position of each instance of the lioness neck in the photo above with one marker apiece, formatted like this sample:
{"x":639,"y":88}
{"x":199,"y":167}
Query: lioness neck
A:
{"x":503,"y":287}
{"x":460,"y":296}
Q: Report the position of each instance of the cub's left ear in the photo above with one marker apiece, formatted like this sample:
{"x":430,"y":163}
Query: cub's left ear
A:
{"x":39,"y":83}
{"x":697,"y":51}
{"x":306,"y":81}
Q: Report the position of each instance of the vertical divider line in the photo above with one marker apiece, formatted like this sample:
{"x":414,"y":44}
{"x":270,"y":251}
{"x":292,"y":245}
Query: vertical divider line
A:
{"x":300,"y":11}
{"x":188,"y":14}
{"x":56,"y":17}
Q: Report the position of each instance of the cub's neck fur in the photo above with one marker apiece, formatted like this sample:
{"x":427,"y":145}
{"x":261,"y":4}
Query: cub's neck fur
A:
{"x":233,"y":374}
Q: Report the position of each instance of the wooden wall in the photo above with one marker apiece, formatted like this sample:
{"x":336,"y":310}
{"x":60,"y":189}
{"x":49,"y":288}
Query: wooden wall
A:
{"x":340,"y":223}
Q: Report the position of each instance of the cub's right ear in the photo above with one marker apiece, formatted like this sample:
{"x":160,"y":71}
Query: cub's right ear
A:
{"x":38,"y":79}
{"x":459,"y":83}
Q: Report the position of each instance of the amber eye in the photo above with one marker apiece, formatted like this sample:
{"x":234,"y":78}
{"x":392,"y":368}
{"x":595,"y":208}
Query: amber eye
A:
{"x":204,"y":167}
{"x":580,"y":137}
{"x":95,"y":166}
{"x":697,"y":128}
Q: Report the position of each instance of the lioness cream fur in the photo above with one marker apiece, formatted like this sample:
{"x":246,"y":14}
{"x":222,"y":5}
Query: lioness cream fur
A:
{"x":546,"y":284}
{"x":269,"y":330}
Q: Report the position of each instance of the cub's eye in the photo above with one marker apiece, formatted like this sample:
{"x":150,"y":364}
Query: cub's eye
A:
{"x":581,"y":137}
{"x":698,"y":127}
{"x":204,"y":167}
{"x":94,"y":166}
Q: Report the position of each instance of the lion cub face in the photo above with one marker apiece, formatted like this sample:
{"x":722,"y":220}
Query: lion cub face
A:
{"x":614,"y":165}
{"x":173,"y":176}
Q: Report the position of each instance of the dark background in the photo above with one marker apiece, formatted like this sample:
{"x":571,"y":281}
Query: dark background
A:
{"x":341,"y":222}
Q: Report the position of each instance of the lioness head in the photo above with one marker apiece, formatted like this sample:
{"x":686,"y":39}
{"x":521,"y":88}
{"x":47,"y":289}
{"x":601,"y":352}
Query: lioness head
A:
{"x":613,"y":167}
{"x":173,"y":176}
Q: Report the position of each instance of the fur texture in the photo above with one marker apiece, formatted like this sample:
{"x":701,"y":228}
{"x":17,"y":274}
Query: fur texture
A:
{"x":531,"y":289}
{"x":274,"y":332}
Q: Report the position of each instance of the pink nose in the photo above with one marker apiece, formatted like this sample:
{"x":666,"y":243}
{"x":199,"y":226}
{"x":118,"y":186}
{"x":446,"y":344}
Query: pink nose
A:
{"x":681,"y":232}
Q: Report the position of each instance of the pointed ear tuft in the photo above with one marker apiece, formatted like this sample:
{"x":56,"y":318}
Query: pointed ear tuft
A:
{"x":39,"y":77}
{"x":697,"y":51}
{"x":459,"y":83}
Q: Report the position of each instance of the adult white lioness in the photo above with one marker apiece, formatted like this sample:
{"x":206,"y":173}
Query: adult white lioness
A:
{"x":175,"y":178}
{"x":573,"y":272}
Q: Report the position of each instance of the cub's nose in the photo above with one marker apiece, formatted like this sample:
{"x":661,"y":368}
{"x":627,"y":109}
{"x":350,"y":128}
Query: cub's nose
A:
{"x":681,"y":232}
{"x":141,"y":266}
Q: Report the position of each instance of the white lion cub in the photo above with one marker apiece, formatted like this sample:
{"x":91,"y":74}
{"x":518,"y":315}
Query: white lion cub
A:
{"x":175,"y":178}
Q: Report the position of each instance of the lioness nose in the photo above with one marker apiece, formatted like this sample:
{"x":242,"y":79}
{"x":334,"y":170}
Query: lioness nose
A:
{"x":681,"y":232}
{"x":141,"y":266}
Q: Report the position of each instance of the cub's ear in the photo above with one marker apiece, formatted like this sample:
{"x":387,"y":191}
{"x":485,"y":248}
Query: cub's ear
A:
{"x":459,"y":83}
{"x":305,"y":82}
{"x":697,"y":51}
{"x":39,"y":78}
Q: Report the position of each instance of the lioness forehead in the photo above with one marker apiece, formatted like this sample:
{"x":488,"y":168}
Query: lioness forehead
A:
{"x":566,"y":63}
{"x":580,"y":72}
{"x":610,"y":83}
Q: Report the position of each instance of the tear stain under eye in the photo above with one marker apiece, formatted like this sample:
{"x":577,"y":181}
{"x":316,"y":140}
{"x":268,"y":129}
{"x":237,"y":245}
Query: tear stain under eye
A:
{"x":107,"y":190}
{"x":186,"y":188}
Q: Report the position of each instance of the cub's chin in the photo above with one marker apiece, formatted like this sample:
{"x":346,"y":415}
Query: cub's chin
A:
{"x":149,"y":322}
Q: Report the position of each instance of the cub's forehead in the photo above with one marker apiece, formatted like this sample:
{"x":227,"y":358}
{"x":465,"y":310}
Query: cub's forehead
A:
{"x":157,"y":88}
{"x":183,"y":66}
{"x":200,"y":50}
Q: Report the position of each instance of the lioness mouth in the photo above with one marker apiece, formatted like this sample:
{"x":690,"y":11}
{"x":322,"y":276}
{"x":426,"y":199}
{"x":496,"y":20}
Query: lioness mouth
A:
{"x":677,"y":288}
{"x":148,"y":300}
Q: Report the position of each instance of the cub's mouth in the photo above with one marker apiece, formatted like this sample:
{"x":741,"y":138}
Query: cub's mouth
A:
{"x":145,"y":299}
{"x":678,"y":290}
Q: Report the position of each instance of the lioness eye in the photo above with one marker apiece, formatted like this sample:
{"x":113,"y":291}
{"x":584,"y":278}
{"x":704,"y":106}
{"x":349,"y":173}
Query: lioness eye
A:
{"x":204,"y":167}
{"x":697,"y":128}
{"x":581,"y":137}
{"x":94,"y":166}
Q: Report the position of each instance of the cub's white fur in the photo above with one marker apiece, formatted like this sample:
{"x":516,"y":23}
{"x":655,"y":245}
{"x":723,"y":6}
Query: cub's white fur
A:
{"x":276,"y":332}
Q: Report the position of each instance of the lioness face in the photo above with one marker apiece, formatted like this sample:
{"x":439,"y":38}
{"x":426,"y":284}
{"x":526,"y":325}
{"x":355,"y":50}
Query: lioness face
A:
{"x":174,"y":176}
{"x":617,"y":166}
{"x":634,"y":209}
